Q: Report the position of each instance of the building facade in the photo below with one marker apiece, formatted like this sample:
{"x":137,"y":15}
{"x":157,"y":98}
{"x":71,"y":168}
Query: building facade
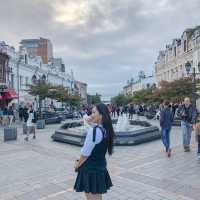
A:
{"x":58,"y":62}
{"x":24,"y":68}
{"x":82,"y":90}
{"x":39,"y":47}
{"x":3,"y":69}
{"x":170,"y":64}
{"x":141,"y":83}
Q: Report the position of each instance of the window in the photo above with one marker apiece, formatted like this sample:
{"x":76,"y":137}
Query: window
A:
{"x":198,"y":40}
{"x":3,"y":67}
{"x":26,"y":81}
{"x":34,"y":79}
{"x":175,"y":51}
{"x":12,"y":80}
{"x":185,"y":45}
{"x":25,"y":58}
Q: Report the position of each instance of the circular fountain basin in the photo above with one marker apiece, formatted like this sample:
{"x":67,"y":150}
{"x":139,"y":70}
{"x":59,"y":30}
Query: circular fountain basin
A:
{"x":138,"y":132}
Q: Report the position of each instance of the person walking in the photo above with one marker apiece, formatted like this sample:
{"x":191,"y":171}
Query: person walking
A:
{"x":166,"y":119}
{"x":131,"y":111}
{"x":20,"y":110}
{"x":10,"y":115}
{"x":29,"y":123}
{"x":5,"y":116}
{"x":1,"y":116}
{"x":188,"y":115}
{"x":93,"y":177}
{"x":118,"y":111}
{"x":113,"y":111}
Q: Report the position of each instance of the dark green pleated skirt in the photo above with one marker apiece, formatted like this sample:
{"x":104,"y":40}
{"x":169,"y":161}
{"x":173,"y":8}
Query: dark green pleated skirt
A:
{"x":95,"y":181}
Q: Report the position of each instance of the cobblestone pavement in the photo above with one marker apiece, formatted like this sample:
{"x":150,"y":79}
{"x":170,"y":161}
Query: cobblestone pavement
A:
{"x":43,"y":170}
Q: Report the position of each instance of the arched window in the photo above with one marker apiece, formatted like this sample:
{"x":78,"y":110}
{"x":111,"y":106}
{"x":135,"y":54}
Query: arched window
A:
{"x":185,"y":45}
{"x":34,"y":79}
{"x":44,"y":77}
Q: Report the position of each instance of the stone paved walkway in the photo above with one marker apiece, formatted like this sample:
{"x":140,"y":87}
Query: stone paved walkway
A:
{"x":43,"y":170}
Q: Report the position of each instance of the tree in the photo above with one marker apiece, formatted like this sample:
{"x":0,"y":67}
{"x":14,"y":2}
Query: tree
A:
{"x":176,"y":90}
{"x":121,"y":100}
{"x":75,"y":100}
{"x":59,"y":93}
{"x":142,"y":96}
{"x":41,"y":89}
{"x":94,"y":99}
{"x":62,"y":94}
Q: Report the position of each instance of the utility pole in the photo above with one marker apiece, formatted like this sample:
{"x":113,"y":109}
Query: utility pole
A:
{"x":18,"y":63}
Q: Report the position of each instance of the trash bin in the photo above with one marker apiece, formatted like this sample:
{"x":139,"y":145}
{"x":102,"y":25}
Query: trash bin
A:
{"x":10,"y":133}
{"x":40,"y":124}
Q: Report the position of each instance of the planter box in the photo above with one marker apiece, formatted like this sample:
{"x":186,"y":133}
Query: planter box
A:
{"x":40,"y":124}
{"x":10,"y":133}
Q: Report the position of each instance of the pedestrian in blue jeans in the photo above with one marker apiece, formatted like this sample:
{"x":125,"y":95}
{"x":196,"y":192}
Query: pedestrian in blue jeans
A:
{"x":188,"y":115}
{"x":166,"y":119}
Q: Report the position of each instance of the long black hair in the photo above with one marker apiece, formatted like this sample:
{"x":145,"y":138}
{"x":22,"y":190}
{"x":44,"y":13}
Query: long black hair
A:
{"x":107,"y":124}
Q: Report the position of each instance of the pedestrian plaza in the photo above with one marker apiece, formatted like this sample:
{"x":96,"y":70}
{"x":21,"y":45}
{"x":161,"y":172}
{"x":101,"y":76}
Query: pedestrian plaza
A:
{"x":42,"y":169}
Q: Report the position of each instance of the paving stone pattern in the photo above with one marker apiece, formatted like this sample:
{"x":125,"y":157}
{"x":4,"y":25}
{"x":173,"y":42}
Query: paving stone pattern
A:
{"x":43,"y":170}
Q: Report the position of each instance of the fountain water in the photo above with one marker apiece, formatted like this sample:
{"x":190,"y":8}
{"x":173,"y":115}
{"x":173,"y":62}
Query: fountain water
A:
{"x":122,"y":123}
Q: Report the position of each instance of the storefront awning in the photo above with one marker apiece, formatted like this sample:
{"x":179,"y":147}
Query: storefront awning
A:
{"x":9,"y":94}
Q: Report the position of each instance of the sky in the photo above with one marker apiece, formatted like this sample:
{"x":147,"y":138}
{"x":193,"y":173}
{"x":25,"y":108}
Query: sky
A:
{"x":104,"y":42}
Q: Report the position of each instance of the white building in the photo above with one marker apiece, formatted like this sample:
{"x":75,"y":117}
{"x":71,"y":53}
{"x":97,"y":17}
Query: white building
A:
{"x":82,"y":90}
{"x":24,"y":68}
{"x":141,"y":83}
{"x":170,"y":64}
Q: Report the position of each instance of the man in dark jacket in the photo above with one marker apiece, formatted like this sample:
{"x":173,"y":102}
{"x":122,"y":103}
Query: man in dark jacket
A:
{"x":188,"y":115}
{"x":166,"y":118}
{"x":25,"y":114}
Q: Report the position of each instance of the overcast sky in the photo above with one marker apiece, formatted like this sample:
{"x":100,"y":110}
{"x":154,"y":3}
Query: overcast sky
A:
{"x":105,"y":42}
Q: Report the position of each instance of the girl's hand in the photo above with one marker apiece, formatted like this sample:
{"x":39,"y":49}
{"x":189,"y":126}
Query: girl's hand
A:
{"x":88,"y":119}
{"x":76,"y":165}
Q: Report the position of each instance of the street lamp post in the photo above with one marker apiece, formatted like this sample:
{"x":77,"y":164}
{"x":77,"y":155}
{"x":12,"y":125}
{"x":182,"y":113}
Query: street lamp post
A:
{"x":188,"y":67}
{"x":18,"y":63}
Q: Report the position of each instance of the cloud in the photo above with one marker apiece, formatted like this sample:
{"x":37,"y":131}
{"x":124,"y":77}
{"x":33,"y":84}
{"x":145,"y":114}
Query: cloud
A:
{"x":105,"y":42}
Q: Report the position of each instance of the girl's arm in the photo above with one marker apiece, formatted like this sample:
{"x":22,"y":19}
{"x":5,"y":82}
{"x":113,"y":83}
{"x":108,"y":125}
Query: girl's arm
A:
{"x":88,"y":146}
{"x":81,"y":160}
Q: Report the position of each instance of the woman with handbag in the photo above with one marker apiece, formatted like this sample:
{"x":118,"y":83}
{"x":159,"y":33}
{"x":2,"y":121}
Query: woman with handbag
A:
{"x":93,"y":177}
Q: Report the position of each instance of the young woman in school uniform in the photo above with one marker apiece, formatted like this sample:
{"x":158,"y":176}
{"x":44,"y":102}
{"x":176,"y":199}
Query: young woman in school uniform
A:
{"x":93,"y":177}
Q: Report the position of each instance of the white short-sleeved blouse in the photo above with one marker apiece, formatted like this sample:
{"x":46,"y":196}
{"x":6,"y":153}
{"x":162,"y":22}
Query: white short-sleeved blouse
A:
{"x":89,"y":144}
{"x":30,"y":118}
